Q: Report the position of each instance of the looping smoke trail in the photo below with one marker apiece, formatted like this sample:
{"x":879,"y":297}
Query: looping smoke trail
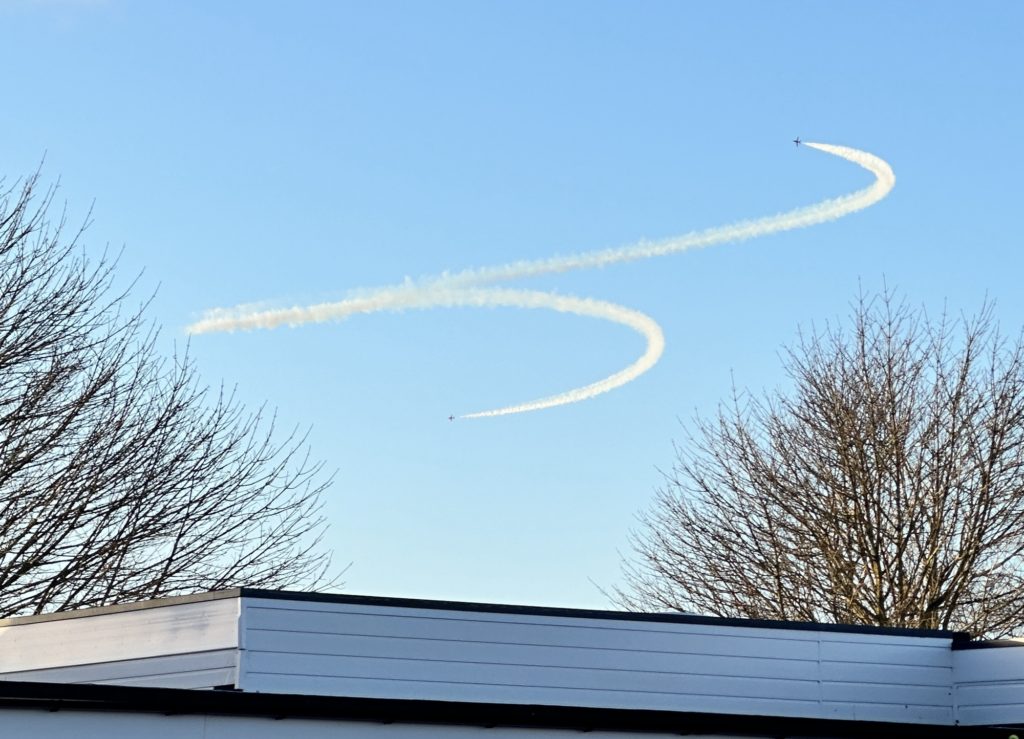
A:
{"x":463,"y":288}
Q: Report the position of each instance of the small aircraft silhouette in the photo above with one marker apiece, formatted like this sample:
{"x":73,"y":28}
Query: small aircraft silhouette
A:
{"x":797,"y":141}
{"x":451,"y":418}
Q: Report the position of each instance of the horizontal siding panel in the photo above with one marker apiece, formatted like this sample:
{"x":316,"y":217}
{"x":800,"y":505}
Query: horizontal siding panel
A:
{"x":883,"y":712}
{"x":790,"y":632}
{"x":531,"y":676}
{"x":191,"y":680}
{"x":986,"y":715}
{"x":455,"y":655}
{"x":342,"y":645}
{"x":988,"y":665}
{"x":625,"y":624}
{"x":112,"y":637}
{"x":989,"y":685}
{"x":865,"y":672}
{"x":884,"y":638}
{"x":715,"y":640}
{"x":908,"y":695}
{"x":153,"y":669}
{"x":991,"y":694}
{"x":302,"y":684}
{"x":890,"y":651}
{"x":71,"y":724}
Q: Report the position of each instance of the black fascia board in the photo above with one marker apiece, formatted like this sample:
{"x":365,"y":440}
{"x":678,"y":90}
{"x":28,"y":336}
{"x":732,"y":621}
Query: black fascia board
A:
{"x":178,"y":701}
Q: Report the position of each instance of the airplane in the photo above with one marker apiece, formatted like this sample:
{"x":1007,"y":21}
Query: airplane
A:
{"x":451,"y":418}
{"x":797,"y":141}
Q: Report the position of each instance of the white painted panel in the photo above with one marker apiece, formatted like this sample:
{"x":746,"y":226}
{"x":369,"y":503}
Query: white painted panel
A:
{"x":463,"y":627}
{"x":880,"y":677}
{"x":882,"y":638}
{"x":888,"y":694}
{"x":990,"y":694}
{"x":595,"y":657}
{"x":343,"y":649}
{"x":380,"y":651}
{"x":866,"y":672}
{"x":989,"y":685}
{"x":888,"y":712}
{"x":362,"y":687}
{"x":989,"y":715}
{"x":189,"y":680}
{"x":528,"y":675}
{"x":67,"y":724}
{"x":198,"y":670}
{"x":890,"y":650}
{"x":111,"y":637}
{"x":988,"y":665}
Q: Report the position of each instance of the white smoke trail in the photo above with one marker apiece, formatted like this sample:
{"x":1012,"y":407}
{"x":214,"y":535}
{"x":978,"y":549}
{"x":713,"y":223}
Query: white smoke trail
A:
{"x":462,"y":288}
{"x":639,"y":322}
{"x":827,"y":210}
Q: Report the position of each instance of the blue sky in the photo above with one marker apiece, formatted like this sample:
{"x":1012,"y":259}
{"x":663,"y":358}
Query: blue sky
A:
{"x":290,"y":153}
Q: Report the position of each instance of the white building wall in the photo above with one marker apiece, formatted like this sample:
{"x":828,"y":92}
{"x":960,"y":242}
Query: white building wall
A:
{"x":375,"y":650}
{"x":184,"y":645}
{"x":86,"y":725}
{"x":425,"y":653}
{"x":989,"y":685}
{"x":196,"y":670}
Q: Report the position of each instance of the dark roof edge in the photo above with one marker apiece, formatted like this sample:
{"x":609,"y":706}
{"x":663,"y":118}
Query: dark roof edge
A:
{"x":171,"y":701}
{"x":679,"y":618}
{"x":959,"y":638}
{"x":991,"y":644}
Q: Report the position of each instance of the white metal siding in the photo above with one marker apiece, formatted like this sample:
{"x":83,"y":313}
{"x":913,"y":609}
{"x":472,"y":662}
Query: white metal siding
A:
{"x":886,"y":678}
{"x":193,"y":670}
{"x":319,"y":647}
{"x":182,"y":645}
{"x":67,"y":724}
{"x":383,"y":651}
{"x":989,"y":685}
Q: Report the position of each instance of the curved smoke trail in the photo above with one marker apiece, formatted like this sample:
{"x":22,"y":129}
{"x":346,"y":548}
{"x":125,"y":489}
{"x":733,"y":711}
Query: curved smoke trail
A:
{"x":463,"y":289}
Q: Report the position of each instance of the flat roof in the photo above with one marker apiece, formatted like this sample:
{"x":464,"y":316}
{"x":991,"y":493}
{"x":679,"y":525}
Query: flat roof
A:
{"x":957,"y":637}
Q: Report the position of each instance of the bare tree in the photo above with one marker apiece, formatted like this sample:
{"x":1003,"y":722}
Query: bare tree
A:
{"x":121,"y":478}
{"x":886,"y":487}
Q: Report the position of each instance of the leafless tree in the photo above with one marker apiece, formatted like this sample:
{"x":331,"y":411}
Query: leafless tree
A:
{"x":122,"y":478}
{"x":886,"y":487}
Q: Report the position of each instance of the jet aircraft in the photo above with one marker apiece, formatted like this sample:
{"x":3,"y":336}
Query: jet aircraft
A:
{"x":451,"y":418}
{"x":797,"y":141}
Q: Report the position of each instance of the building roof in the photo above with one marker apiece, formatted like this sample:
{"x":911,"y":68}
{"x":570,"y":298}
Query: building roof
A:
{"x":366,"y":658}
{"x":476,"y":607}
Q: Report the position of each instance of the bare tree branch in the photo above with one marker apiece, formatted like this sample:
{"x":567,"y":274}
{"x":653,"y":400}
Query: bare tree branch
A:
{"x":121,"y":477}
{"x":886,"y":488}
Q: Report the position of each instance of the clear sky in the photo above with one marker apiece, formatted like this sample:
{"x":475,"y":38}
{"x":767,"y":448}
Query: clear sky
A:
{"x":287,"y":153}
